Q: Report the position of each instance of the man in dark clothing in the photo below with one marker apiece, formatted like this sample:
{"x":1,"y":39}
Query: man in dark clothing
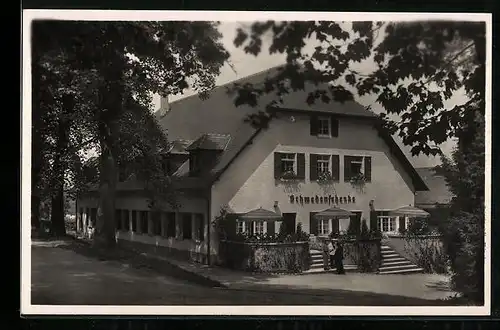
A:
{"x":338,"y":258}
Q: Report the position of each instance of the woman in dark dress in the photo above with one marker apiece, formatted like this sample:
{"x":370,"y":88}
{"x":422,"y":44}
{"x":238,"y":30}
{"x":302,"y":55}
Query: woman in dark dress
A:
{"x":338,"y":258}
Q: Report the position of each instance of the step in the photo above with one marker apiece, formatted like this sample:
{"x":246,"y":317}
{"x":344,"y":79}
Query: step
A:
{"x":396,"y":267}
{"x":394,"y":258}
{"x":396,"y":263}
{"x":390,"y":255}
{"x":346,"y":267}
{"x":402,"y":271}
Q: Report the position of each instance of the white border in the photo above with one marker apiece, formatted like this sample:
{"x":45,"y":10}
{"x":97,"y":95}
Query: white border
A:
{"x":112,"y":15}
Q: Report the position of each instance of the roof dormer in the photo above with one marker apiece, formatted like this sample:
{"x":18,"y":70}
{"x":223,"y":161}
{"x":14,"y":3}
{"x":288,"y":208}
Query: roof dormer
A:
{"x":204,"y":151}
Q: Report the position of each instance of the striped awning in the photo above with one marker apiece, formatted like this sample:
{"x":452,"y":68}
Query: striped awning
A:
{"x":261,"y":214}
{"x":409,"y":211}
{"x":333,"y":212}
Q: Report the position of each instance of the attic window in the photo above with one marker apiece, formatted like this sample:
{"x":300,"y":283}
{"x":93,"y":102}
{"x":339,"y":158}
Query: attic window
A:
{"x":194,"y":163}
{"x":324,"y":126}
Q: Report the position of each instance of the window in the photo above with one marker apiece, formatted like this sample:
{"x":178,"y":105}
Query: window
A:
{"x":186,"y":226}
{"x":194,"y":166}
{"x":93,"y":216}
{"x":118,"y":219}
{"x":259,"y":227}
{"x":240,"y":227}
{"x":323,"y":227}
{"x":156,"y":220}
{"x":80,"y":219}
{"x":126,"y":220}
{"x":288,"y":163}
{"x":357,"y":165}
{"x":323,"y":164}
{"x":386,"y":223}
{"x":134,"y":221}
{"x":323,"y":126}
{"x":170,"y":227}
{"x":144,"y":222}
{"x":200,"y":226}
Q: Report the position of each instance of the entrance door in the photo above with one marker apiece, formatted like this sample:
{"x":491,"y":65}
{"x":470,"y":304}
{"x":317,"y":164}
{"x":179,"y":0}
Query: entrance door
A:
{"x":289,"y":221}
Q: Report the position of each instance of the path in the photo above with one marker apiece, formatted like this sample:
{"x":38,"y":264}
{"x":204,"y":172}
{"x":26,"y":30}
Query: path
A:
{"x":63,"y":276}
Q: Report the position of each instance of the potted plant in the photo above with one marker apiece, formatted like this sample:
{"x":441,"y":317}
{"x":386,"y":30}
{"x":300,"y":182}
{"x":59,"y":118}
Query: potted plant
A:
{"x":325,"y":177}
{"x":358,"y":180}
{"x":288,"y":176}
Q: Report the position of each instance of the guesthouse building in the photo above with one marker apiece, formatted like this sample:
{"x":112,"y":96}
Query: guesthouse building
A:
{"x":309,"y":158}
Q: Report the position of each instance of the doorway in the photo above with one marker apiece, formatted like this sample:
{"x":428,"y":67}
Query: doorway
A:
{"x":289,"y":223}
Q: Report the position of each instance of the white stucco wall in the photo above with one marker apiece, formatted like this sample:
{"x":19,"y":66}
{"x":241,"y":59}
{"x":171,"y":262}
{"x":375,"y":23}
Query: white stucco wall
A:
{"x":249,"y":182}
{"x":187,"y":204}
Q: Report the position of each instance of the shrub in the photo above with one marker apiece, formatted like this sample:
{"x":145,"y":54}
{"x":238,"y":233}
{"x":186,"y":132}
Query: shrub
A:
{"x":427,"y":253}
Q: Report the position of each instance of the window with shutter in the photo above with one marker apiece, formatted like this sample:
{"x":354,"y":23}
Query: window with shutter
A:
{"x":334,"y":123}
{"x":368,"y":169}
{"x":301,"y":166}
{"x":353,"y":166}
{"x":313,"y":173}
{"x":277,"y":164}
{"x":336,"y":168}
{"x":313,"y":125}
{"x":313,"y":224}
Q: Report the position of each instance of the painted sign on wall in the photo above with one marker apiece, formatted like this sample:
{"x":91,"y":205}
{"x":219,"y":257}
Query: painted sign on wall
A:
{"x":317,"y":199}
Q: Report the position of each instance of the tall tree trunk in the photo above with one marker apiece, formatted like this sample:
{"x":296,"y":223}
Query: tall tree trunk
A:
{"x":105,"y":227}
{"x":60,"y":166}
{"x":111,"y":101}
{"x":57,"y":212}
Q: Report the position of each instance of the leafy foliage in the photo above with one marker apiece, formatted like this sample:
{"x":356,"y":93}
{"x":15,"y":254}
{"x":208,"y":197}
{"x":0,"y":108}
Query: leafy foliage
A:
{"x":463,"y":231}
{"x":418,"y":67}
{"x":108,"y":71}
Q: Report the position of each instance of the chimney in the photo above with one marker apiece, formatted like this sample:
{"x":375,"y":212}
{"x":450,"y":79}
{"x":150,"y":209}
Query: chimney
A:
{"x":164,"y":106}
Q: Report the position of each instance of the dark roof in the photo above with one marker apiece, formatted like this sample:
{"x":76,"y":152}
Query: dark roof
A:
{"x":179,"y":146}
{"x":438,"y":193}
{"x":192,"y":118}
{"x":210,"y":142}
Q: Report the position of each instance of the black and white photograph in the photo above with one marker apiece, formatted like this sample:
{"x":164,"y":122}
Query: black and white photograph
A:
{"x":256,"y":163}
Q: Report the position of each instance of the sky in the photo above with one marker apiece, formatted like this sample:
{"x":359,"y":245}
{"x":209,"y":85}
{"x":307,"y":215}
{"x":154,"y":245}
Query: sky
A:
{"x":245,"y":65}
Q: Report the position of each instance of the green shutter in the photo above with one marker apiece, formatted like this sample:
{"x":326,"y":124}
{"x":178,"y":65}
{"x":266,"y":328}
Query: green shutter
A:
{"x":402,"y":224}
{"x":314,"y":125}
{"x":373,"y":220}
{"x":336,"y":167}
{"x":301,"y":166}
{"x":313,"y":224}
{"x":335,"y":126}
{"x":277,"y":164}
{"x":347,"y":168}
{"x":335,"y":225}
{"x":271,"y":227}
{"x":313,"y":167}
{"x":368,"y":169}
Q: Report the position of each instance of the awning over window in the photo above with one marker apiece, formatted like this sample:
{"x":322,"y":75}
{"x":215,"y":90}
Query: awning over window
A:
{"x":261,"y":214}
{"x":409,"y":211}
{"x":333,"y":212}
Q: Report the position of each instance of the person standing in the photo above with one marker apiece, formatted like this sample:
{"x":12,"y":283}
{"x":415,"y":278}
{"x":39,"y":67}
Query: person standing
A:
{"x":338,"y":257}
{"x":331,"y":254}
{"x":326,"y":260}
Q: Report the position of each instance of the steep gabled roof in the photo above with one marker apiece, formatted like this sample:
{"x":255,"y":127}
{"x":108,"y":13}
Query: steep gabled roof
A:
{"x":200,"y":120}
{"x":438,"y":193}
{"x":210,"y":142}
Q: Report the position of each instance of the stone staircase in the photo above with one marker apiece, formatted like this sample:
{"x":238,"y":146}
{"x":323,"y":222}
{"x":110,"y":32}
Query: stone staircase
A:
{"x":317,"y":263}
{"x":393,"y":263}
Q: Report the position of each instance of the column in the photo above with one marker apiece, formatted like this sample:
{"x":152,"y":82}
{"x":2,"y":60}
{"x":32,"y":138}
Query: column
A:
{"x":178,"y":225}
{"x":163,"y":222}
{"x":150,"y":223}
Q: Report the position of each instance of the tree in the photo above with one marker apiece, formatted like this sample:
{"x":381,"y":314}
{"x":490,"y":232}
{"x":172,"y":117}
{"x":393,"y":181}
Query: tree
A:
{"x":125,"y":62}
{"x":410,"y":57}
{"x":464,"y":229}
{"x":418,"y":66}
